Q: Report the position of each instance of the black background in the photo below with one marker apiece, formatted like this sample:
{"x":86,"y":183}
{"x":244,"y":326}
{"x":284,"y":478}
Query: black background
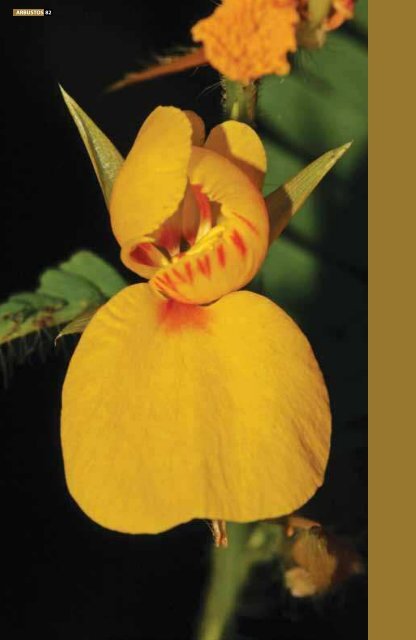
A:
{"x":62,"y":576}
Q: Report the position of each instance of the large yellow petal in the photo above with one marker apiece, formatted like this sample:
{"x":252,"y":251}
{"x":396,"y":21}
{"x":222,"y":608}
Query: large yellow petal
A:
{"x":240,"y":143}
{"x":152,"y":180}
{"x":173,"y":412}
{"x":229,"y":255}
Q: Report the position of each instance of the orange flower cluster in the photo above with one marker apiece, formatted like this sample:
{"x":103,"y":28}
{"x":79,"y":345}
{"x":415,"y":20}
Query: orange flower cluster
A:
{"x":341,"y":11}
{"x":247,"y":39}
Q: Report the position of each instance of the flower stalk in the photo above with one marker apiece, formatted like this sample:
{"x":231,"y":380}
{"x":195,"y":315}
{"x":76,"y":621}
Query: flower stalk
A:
{"x":249,"y":545}
{"x":239,"y":100}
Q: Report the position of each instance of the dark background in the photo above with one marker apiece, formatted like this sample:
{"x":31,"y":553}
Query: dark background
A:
{"x":62,"y":576}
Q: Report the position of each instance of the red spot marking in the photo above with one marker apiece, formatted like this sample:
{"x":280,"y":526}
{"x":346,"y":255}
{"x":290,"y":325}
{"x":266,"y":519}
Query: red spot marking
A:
{"x":204,"y":265}
{"x":175,"y":316}
{"x":202,"y":202}
{"x":221,"y":255}
{"x":179,"y":275}
{"x":140,"y":254}
{"x":247,"y":222}
{"x":188,"y":269}
{"x":239,"y":242}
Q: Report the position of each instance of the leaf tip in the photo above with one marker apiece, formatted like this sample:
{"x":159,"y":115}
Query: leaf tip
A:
{"x":339,"y":151}
{"x":63,"y":92}
{"x":67,"y":99}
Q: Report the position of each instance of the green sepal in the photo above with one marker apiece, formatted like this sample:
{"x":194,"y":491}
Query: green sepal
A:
{"x":283,"y":203}
{"x":105,"y":158}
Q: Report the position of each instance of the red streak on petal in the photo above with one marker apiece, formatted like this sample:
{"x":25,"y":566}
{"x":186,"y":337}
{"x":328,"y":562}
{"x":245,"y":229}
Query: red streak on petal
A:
{"x":175,"y":316}
{"x":204,"y":265}
{"x":188,"y":269}
{"x":221,"y":255}
{"x":166,"y":286}
{"x":179,"y":275}
{"x":202,"y":202}
{"x":158,"y":282}
{"x":239,"y":242}
{"x":168,"y":281}
{"x":140,"y":254}
{"x":248,"y":222}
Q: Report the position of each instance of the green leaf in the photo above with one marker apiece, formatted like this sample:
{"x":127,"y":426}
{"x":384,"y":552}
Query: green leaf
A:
{"x":89,"y":266}
{"x":316,"y":270}
{"x":104,"y":156}
{"x":72,"y":291}
{"x":283,"y":203}
{"x":361,"y":16}
{"x":320,"y":105}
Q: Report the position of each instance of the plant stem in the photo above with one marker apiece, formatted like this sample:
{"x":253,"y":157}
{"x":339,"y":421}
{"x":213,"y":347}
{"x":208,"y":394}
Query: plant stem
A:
{"x":249,"y":545}
{"x":239,"y":100}
{"x":229,"y":571}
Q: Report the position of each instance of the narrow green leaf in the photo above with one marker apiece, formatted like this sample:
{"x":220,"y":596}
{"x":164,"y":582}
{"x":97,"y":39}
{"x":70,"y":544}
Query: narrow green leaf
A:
{"x":104,"y":156}
{"x":283,"y":203}
{"x":70,"y":293}
{"x":77,"y":325}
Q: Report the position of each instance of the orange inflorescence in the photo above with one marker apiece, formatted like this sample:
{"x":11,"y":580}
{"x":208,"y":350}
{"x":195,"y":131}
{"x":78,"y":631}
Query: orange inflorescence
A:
{"x":247,"y":39}
{"x":341,"y":11}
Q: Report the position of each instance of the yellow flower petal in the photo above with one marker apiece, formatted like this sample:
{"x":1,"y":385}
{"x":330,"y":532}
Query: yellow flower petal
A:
{"x":198,"y":127}
{"x":228,"y":256}
{"x":240,"y":143}
{"x":173,"y":412}
{"x":247,"y":39}
{"x":152,"y":180}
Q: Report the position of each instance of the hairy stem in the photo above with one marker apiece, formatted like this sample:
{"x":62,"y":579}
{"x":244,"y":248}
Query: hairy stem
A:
{"x":239,"y":100}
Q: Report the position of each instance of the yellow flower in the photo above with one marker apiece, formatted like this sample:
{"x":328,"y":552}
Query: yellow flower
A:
{"x":186,"y":398}
{"x":247,"y":39}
